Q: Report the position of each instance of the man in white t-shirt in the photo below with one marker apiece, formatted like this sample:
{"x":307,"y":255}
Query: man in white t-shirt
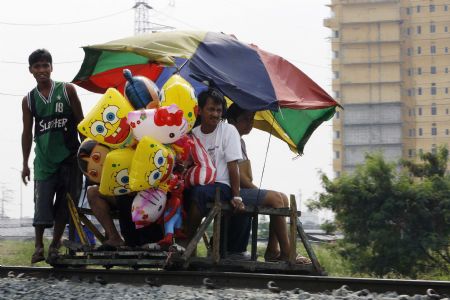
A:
{"x":222,"y":142}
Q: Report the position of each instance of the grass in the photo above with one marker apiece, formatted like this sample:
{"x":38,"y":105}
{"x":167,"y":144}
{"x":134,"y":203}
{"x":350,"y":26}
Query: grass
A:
{"x":18,"y":253}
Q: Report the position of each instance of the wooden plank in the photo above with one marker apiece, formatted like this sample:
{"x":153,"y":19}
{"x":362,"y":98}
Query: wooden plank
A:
{"x":76,"y":220}
{"x":92,"y":228}
{"x":250,"y":209}
{"x":202,"y":228}
{"x":216,"y":228}
{"x":309,"y":249}
{"x":293,"y":231}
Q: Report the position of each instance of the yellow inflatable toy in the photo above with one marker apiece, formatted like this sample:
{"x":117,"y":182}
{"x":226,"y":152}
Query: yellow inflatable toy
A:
{"x":152,"y":164}
{"x":107,"y":121}
{"x":115,"y":178}
{"x":180,"y":92}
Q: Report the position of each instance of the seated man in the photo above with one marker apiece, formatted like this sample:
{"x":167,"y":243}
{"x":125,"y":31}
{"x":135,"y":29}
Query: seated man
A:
{"x":103,"y":205}
{"x":278,"y":244}
{"x":221,"y":141}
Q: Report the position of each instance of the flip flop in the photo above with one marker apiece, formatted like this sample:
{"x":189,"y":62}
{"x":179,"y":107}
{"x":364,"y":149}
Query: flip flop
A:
{"x":38,"y":255}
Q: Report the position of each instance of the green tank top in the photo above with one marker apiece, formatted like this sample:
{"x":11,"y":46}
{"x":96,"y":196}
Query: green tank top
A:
{"x":55,"y":132}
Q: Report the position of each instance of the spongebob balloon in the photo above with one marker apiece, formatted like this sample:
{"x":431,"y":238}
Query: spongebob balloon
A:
{"x":115,"y":175}
{"x":165,"y":124}
{"x":107,"y":121}
{"x":180,"y":92}
{"x":152,"y":164}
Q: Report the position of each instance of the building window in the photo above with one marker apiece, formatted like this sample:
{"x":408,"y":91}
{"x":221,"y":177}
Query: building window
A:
{"x":337,"y":114}
{"x":410,"y":153}
{"x":419,"y":50}
{"x":409,"y":93}
{"x":419,"y":91}
{"x":433,"y":70}
{"x":410,"y":132}
{"x":419,"y":29}
{"x":446,"y":49}
{"x":409,"y":51}
{"x":419,"y":111}
{"x":337,"y":94}
{"x":432,"y":28}
{"x":446,"y":90}
{"x":420,"y":132}
{"x":418,"y":8}
{"x":445,"y":28}
{"x":433,"y":89}
{"x":446,"y":131}
{"x":446,"y":111}
{"x":408,"y":31}
{"x":337,"y":134}
{"x":335,"y":33}
{"x":433,"y":129}
{"x":408,"y":10}
{"x":433,"y":109}
{"x":433,"y":49}
{"x":336,"y":74}
{"x":335,"y":54}
{"x":419,"y":71}
{"x":445,"y":7}
{"x":336,"y":154}
{"x":432,"y":8}
{"x":446,"y":69}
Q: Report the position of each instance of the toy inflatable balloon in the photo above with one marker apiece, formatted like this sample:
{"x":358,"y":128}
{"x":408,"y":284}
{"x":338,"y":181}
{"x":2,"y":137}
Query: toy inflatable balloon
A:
{"x":148,"y":207}
{"x":140,"y":91}
{"x":152,"y":164}
{"x":165,"y":124}
{"x":107,"y":121}
{"x":180,"y":92}
{"x":116,"y":169}
{"x":91,"y":156}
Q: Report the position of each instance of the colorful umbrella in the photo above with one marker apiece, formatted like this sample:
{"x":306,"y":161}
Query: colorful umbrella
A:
{"x":294,"y":105}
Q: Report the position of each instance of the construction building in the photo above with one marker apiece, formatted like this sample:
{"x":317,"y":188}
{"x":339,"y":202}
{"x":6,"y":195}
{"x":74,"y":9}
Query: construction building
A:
{"x":390,"y":67}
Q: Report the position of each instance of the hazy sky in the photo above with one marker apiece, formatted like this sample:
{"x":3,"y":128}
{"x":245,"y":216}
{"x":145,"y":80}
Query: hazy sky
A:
{"x":292,"y":29}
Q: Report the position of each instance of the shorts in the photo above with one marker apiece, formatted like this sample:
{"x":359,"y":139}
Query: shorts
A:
{"x":201,"y":195}
{"x":253,"y":196}
{"x":50,"y":202}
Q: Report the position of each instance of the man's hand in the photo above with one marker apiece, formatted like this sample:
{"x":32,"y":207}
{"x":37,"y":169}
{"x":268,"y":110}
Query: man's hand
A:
{"x":237,"y":204}
{"x":25,"y":174}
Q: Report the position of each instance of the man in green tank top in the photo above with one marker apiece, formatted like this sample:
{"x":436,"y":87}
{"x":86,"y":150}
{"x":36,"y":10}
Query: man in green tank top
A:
{"x":55,"y":110}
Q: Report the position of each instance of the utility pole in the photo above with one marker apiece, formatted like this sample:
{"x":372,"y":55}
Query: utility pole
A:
{"x":142,"y":22}
{"x":5,"y":199}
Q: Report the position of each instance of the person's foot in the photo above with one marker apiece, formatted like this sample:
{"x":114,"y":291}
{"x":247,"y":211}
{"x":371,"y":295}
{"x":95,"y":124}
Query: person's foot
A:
{"x":245,"y":256}
{"x":38,"y":255}
{"x":53,"y":254}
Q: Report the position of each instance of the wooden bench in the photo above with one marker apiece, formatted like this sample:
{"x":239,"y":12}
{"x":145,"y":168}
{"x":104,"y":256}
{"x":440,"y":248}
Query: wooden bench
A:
{"x":217,"y":212}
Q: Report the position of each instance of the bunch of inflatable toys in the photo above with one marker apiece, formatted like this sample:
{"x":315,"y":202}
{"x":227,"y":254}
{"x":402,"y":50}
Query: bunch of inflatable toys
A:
{"x":134,"y":143}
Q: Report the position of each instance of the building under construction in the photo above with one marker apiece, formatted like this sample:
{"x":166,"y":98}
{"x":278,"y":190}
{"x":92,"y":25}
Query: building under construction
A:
{"x":390,"y":66}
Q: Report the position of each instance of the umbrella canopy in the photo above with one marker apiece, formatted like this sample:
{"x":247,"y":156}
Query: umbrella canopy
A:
{"x":253,"y":78}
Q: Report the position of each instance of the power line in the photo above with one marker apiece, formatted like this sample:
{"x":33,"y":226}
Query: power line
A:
{"x":64,"y":23}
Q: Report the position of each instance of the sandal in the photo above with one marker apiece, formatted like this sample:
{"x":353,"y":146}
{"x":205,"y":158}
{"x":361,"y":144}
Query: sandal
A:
{"x":38,"y":255}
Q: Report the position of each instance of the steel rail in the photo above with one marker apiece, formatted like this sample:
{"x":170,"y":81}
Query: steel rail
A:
{"x":231,"y":279}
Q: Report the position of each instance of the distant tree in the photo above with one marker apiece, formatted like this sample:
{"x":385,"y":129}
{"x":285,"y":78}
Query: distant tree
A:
{"x":328,"y":227}
{"x":393,"y":219}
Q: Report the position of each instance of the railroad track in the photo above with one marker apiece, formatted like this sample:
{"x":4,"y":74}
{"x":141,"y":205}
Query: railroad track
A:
{"x":231,"y":279}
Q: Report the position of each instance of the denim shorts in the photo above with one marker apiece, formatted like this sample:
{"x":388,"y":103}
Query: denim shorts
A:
{"x":201,"y":195}
{"x":253,"y":196}
{"x":50,"y":203}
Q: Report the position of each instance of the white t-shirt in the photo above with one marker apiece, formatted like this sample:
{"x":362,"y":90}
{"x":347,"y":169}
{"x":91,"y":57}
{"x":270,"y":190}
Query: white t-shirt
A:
{"x":223,"y":145}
